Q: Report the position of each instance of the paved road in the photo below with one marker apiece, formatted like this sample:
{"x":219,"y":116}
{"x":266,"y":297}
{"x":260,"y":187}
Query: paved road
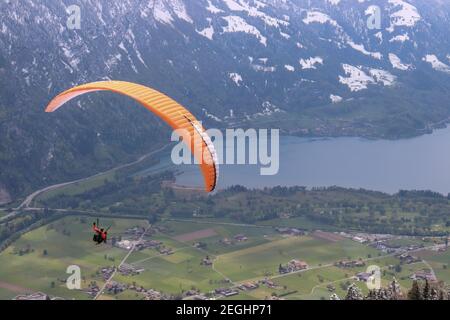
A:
{"x":100,"y":292}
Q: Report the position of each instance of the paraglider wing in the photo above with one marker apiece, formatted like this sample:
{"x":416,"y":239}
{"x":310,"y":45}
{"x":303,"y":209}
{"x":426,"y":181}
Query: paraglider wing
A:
{"x":174,"y":114}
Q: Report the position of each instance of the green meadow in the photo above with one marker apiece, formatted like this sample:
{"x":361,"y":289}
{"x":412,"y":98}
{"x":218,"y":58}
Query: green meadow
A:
{"x":264,"y":260}
{"x":39,"y":259}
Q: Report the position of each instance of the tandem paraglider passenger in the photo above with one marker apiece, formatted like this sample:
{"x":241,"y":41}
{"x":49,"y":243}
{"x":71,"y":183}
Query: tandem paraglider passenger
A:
{"x":100,"y":234}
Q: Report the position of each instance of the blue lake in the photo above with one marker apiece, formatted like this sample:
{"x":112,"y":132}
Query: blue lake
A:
{"x":417,"y":163}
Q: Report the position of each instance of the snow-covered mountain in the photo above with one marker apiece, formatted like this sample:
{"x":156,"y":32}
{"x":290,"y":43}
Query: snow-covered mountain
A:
{"x":322,"y":67}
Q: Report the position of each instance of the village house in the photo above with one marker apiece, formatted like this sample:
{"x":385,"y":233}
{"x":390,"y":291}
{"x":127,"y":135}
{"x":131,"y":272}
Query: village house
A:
{"x":92,"y":289}
{"x":115,"y":287}
{"x":248,"y":286}
{"x":406,"y":258}
{"x":165,"y":250}
{"x":207,"y":261}
{"x":290,"y":231}
{"x":145,"y":244}
{"x":240,"y":238}
{"x":424,"y":275}
{"x":125,"y":244}
{"x":200,"y":245}
{"x":382,"y":247}
{"x":192,"y":292}
{"x":363,"y":276}
{"x":298,"y":265}
{"x":227,"y":292}
{"x":269,"y":283}
{"x":359,"y":239}
{"x":350,"y":263}
{"x":106,"y":272}
{"x":284,"y":215}
{"x":292,"y":266}
{"x":153,"y":295}
{"x":130,"y":270}
{"x":225,"y":241}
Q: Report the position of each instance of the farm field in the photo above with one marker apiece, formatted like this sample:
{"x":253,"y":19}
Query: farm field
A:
{"x":263,"y":260}
{"x":40,"y":258}
{"x":239,"y":254}
{"x":440,"y":262}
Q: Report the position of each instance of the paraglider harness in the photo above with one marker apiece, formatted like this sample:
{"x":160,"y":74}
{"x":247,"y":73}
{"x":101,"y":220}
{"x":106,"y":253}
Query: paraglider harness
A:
{"x":100,"y":235}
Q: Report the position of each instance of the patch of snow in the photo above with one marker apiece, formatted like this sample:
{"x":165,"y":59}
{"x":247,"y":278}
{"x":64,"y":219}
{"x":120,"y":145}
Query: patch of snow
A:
{"x":122,"y":46}
{"x":234,"y":5}
{"x":360,"y":48}
{"x":132,"y":40}
{"x":238,"y":24}
{"x":310,"y":63}
{"x":207,"y":32}
{"x":211,"y":116}
{"x":318,"y":17}
{"x":379,"y":36}
{"x":397,"y":63}
{"x":436,"y":64}
{"x":406,"y":16}
{"x":400,"y":38}
{"x":267,"y":109}
{"x":236,"y":78}
{"x":356,"y":79}
{"x":383,"y":76}
{"x":285,"y":35}
{"x":212,"y":8}
{"x":179,"y":9}
{"x":289,"y":68}
{"x":335,"y":98}
{"x":253,"y":11}
{"x":161,"y":13}
{"x":261,"y":68}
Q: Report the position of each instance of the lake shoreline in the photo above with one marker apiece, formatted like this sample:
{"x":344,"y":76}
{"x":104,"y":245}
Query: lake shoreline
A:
{"x":388,"y":166}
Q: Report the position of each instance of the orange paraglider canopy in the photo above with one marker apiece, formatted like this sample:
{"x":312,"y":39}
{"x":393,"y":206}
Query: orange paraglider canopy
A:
{"x":178,"y":117}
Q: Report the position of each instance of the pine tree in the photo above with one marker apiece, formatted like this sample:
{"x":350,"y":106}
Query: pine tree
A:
{"x":372,"y":295}
{"x":395,"y":290}
{"x":426,"y":291}
{"x":414,"y":293}
{"x":354,"y":293}
{"x":434,"y":295}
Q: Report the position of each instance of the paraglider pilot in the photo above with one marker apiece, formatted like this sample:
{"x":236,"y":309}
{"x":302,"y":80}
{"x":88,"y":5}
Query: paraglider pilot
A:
{"x":100,"y":234}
